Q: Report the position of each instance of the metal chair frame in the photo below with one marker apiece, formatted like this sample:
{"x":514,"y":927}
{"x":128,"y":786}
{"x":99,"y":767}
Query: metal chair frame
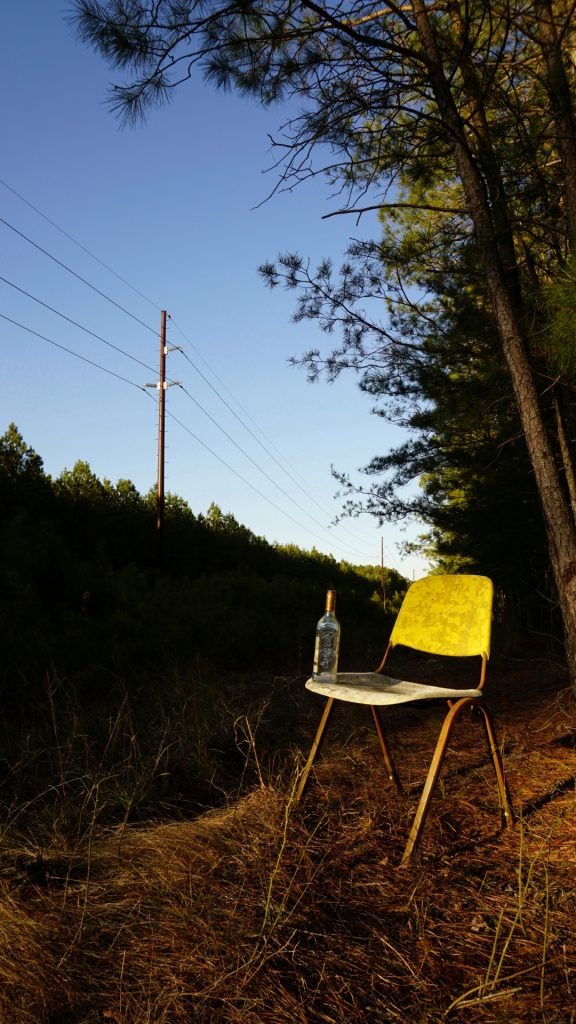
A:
{"x":376,"y":690}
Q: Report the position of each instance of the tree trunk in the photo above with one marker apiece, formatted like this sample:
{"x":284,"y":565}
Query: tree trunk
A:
{"x":561,"y":529}
{"x":565,"y":452}
{"x":560,"y":525}
{"x":561,"y":103}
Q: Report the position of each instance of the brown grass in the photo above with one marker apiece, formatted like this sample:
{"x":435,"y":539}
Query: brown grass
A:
{"x":266,"y":913}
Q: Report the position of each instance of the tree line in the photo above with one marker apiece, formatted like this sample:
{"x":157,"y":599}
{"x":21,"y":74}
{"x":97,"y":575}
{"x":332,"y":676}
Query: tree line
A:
{"x":82,"y":592}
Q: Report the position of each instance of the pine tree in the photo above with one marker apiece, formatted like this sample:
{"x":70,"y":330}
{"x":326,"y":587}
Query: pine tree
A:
{"x":479,"y":94}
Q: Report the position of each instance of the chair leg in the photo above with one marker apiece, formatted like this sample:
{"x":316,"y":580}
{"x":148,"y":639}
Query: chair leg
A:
{"x":497,"y":762}
{"x":314,"y":748}
{"x":433,"y":773}
{"x":388,"y":760}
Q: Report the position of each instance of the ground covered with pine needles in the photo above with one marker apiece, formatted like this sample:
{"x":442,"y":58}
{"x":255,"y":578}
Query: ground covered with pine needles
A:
{"x":266,"y":912}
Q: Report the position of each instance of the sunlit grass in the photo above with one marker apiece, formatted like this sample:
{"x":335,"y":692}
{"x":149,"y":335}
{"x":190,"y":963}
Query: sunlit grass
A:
{"x":126,"y":900}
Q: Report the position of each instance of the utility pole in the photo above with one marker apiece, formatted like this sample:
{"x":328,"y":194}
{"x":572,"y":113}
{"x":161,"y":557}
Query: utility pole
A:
{"x":382,"y":574}
{"x":161,"y":441}
{"x":161,"y":386}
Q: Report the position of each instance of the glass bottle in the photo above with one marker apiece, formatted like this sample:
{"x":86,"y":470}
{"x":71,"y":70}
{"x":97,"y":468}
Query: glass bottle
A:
{"x":327,"y":641}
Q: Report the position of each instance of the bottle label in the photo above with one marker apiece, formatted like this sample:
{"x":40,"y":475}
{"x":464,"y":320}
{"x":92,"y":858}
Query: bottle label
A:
{"x":326,"y":652}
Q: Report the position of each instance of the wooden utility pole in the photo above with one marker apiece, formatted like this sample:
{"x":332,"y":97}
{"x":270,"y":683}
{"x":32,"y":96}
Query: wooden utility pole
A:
{"x":161,"y":436}
{"x":161,"y":386}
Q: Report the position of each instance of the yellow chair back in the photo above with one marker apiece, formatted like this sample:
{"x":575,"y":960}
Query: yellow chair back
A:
{"x":449,"y":615}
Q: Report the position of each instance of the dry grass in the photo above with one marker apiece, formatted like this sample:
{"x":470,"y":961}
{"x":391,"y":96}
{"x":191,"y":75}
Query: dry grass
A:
{"x":266,"y":913}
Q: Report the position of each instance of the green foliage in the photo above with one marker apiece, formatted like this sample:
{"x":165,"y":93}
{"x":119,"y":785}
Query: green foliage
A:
{"x":556,"y":339}
{"x":435,"y":367}
{"x":81,"y":484}
{"x":17,"y":459}
{"x":22,"y":478}
{"x":80,"y":586}
{"x":457,"y":123}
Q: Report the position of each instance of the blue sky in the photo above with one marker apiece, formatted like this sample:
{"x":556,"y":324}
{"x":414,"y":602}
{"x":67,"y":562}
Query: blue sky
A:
{"x":172,"y":207}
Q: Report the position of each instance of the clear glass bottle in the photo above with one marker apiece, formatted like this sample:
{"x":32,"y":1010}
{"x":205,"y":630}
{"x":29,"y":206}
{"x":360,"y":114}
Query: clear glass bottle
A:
{"x":327,"y":641}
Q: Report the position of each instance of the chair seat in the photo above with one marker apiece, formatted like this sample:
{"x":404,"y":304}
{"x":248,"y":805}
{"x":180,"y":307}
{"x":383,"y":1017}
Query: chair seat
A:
{"x":377,"y":689}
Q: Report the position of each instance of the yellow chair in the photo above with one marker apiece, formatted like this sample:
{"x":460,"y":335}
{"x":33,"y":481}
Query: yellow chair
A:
{"x":441,"y":615}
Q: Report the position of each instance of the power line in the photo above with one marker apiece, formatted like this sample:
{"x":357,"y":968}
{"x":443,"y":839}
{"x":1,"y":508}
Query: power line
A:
{"x":77,"y":243}
{"x":140,"y":362}
{"x":110,"y":270}
{"x":258,"y":467}
{"x":78,"y":276}
{"x":185,"y":390}
{"x":241,"y":421}
{"x":76,"y":324}
{"x":140,"y":387}
{"x":259,"y":442}
{"x":242,"y":478}
{"x":73,"y":353}
{"x":250,"y":459}
{"x":247,"y":428}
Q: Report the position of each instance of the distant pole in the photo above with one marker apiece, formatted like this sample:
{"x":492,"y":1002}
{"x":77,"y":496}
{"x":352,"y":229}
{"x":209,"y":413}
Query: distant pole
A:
{"x":383,"y":575}
{"x":161,"y":440}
